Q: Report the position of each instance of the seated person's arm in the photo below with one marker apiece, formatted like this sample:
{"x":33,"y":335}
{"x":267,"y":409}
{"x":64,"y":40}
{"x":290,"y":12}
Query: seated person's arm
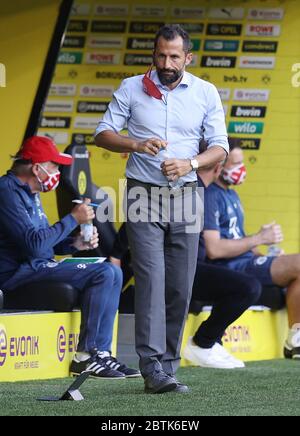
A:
{"x":218,"y":248}
{"x":16,"y":222}
{"x":256,"y":251}
{"x":65,"y":247}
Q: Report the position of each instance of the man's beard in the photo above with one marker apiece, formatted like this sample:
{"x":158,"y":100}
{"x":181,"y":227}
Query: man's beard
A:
{"x":168,"y":79}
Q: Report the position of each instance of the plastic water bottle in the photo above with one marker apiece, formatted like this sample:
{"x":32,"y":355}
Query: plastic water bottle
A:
{"x":173,"y":184}
{"x":274,"y":251}
{"x":87,"y":230}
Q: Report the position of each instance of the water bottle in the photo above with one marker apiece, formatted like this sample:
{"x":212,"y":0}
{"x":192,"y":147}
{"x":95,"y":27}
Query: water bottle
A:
{"x":274,"y":251}
{"x":87,"y":230}
{"x":173,"y":184}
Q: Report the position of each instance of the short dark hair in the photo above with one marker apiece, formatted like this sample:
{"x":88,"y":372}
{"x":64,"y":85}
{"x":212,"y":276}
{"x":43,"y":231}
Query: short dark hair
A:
{"x":20,"y":166}
{"x":170,"y":32}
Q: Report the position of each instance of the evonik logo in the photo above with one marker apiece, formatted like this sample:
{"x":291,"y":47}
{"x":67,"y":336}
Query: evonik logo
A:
{"x":3,"y":346}
{"x":65,"y":343}
{"x":16,"y":346}
{"x":61,"y":344}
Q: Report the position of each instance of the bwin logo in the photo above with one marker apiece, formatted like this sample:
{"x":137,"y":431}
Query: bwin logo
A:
{"x":2,"y":76}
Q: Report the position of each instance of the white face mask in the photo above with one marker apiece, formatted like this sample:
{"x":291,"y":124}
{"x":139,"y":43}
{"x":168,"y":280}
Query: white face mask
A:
{"x":52,"y":181}
{"x":235,"y":175}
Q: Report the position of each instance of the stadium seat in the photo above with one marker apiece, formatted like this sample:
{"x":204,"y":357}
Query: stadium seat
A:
{"x":1,"y":300}
{"x":57,"y":297}
{"x":76,"y":182}
{"x":273,"y":297}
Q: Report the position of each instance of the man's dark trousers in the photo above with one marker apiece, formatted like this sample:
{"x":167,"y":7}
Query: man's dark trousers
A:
{"x":164,"y":259}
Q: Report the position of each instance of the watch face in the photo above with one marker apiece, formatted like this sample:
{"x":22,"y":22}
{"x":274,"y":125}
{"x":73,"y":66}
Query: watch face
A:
{"x":194,"y":164}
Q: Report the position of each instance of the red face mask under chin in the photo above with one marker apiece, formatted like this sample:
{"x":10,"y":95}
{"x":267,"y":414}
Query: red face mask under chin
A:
{"x":150,"y":88}
{"x":236,"y":175}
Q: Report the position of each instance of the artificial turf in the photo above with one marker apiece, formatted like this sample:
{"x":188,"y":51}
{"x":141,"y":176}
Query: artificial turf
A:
{"x":269,"y":388}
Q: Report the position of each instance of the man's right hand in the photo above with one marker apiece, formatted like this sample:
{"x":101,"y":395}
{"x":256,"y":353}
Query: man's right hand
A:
{"x":83,"y":212}
{"x":270,"y":234}
{"x":150,"y":146}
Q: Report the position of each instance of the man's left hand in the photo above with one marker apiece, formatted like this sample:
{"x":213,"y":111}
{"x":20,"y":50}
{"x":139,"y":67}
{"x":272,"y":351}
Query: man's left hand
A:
{"x":175,"y":168}
{"x":80,"y":245}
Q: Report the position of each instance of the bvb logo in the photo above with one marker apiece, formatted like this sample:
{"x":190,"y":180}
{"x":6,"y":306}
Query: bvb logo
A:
{"x":82,"y":183}
{"x":3,"y":345}
{"x":61,"y":343}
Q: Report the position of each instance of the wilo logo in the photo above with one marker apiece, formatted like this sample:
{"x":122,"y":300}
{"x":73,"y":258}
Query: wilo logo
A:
{"x":2,"y":76}
{"x":247,"y":128}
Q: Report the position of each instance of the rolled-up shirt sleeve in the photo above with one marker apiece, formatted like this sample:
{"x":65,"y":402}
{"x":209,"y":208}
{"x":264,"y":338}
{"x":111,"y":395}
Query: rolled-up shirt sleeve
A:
{"x":214,"y":125}
{"x":118,"y":111}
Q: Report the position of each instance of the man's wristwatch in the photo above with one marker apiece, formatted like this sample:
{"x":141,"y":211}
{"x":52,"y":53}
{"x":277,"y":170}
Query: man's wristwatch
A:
{"x":194,"y":164}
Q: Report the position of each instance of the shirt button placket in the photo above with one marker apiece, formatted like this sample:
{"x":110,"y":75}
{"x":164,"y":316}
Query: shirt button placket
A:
{"x":168,"y":114}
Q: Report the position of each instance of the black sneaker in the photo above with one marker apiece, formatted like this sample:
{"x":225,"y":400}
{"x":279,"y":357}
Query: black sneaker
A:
{"x":113,"y":364}
{"x":97,"y":369}
{"x":181,"y":387}
{"x":159,"y":382}
{"x":290,"y":352}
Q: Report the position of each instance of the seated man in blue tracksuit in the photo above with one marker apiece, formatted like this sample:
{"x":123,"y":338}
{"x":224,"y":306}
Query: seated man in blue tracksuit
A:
{"x":28,"y":245}
{"x":228,"y":245}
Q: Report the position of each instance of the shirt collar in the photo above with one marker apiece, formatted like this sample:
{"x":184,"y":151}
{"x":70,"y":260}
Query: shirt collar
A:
{"x":221,"y":187}
{"x":184,"y":81}
{"x":18,"y":182}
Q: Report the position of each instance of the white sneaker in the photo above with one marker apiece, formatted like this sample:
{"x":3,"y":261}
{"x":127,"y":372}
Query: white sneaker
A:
{"x":226,"y":355}
{"x":292,"y":344}
{"x":206,"y":357}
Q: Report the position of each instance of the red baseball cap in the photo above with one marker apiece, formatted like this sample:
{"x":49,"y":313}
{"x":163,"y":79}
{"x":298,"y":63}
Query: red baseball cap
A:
{"x":40,"y":149}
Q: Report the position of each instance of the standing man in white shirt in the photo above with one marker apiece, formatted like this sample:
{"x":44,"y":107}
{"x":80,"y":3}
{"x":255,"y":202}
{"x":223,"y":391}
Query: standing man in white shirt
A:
{"x":169,"y":110}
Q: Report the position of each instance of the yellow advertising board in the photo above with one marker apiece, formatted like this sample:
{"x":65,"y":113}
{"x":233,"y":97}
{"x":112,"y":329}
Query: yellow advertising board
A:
{"x":41,"y":345}
{"x":38,"y":345}
{"x":257,"y":335}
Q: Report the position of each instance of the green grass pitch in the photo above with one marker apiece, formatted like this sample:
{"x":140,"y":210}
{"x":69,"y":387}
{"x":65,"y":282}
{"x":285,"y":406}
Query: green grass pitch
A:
{"x":268,"y":388}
